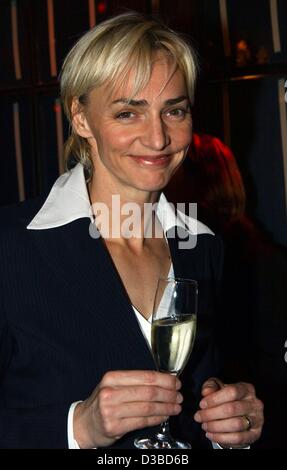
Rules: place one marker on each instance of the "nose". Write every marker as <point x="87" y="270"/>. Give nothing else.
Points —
<point x="156" y="135"/>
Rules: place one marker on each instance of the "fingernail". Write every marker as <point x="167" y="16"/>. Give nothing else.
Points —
<point x="197" y="417"/>
<point x="209" y="436"/>
<point x="177" y="409"/>
<point x="179" y="398"/>
<point x="210" y="384"/>
<point x="204" y="426"/>
<point x="203" y="404"/>
<point x="178" y="384"/>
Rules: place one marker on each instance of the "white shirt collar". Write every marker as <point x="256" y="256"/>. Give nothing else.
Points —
<point x="69" y="200"/>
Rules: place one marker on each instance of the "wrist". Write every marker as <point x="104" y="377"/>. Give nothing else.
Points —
<point x="80" y="427"/>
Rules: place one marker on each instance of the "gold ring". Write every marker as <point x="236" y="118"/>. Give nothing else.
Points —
<point x="248" y="423"/>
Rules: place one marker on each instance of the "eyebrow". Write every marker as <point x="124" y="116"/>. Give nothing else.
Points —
<point x="169" y="102"/>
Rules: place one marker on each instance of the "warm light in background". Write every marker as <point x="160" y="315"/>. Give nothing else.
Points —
<point x="15" y="40"/>
<point x="155" y="4"/>
<point x="102" y="6"/>
<point x="52" y="38"/>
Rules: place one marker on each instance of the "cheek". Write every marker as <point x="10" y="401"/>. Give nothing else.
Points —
<point x="124" y="139"/>
<point x="118" y="137"/>
<point x="181" y="132"/>
<point x="183" y="137"/>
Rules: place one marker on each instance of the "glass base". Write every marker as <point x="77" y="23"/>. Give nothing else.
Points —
<point x="160" y="442"/>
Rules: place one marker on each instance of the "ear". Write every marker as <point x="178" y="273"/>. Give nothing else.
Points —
<point x="79" y="120"/>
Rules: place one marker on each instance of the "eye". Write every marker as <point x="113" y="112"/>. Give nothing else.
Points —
<point x="125" y="115"/>
<point x="177" y="112"/>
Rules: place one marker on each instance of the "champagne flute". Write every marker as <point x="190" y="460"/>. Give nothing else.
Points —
<point x="172" y="339"/>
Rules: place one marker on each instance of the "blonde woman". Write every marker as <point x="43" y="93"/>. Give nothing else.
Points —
<point x="77" y="287"/>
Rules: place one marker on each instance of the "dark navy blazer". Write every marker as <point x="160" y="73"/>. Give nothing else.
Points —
<point x="66" y="319"/>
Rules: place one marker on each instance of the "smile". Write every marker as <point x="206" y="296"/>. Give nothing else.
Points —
<point x="158" y="161"/>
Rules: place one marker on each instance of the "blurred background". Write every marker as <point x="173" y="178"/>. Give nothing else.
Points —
<point x="240" y="97"/>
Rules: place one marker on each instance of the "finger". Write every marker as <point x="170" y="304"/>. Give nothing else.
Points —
<point x="211" y="385"/>
<point x="138" y="393"/>
<point x="227" y="393"/>
<point x="225" y="411"/>
<point x="237" y="424"/>
<point x="140" y="377"/>
<point x="127" y="425"/>
<point x="144" y="409"/>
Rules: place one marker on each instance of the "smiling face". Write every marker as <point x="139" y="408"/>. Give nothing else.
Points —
<point x="137" y="145"/>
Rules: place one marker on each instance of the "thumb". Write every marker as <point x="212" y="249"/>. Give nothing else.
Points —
<point x="210" y="386"/>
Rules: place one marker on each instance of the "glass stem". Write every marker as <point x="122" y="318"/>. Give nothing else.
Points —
<point x="163" y="433"/>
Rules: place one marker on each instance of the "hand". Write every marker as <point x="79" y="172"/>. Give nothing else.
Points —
<point x="124" y="401"/>
<point x="224" y="409"/>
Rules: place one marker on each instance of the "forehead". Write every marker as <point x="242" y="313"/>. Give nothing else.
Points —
<point x="166" y="81"/>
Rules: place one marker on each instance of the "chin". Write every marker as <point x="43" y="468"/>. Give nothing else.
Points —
<point x="153" y="186"/>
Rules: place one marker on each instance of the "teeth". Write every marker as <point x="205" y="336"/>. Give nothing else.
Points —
<point x="153" y="159"/>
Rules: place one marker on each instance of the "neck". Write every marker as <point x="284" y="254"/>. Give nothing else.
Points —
<point x="124" y="216"/>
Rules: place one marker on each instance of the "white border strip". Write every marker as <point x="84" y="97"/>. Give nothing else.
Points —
<point x="283" y="125"/>
<point x="275" y="25"/>
<point x="92" y="13"/>
<point x="52" y="41"/>
<point x="225" y="27"/>
<point x="15" y="40"/>
<point x="18" y="152"/>
<point x="60" y="138"/>
<point x="226" y="113"/>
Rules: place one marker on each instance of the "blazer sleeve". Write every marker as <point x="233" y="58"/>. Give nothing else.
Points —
<point x="38" y="427"/>
<point x="35" y="428"/>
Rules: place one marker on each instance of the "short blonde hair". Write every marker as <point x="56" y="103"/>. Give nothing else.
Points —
<point x="107" y="53"/>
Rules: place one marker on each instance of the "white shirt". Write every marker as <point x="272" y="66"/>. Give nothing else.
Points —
<point x="68" y="201"/>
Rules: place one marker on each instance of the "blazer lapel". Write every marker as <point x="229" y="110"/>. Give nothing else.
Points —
<point x="195" y="263"/>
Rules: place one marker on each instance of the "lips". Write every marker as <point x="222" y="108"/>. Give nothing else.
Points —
<point x="152" y="161"/>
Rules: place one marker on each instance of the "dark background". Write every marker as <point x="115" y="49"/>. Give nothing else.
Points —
<point x="238" y="96"/>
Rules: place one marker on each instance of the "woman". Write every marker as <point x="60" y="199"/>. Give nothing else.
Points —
<point x="74" y="350"/>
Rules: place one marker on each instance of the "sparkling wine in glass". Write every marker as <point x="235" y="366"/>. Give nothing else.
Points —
<point x="172" y="339"/>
